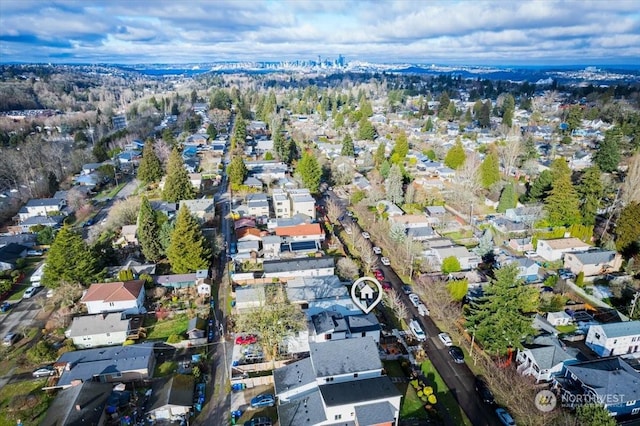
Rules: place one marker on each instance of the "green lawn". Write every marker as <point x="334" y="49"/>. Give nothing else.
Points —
<point x="18" y="291"/>
<point x="566" y="328"/>
<point x="25" y="401"/>
<point x="165" y="369"/>
<point x="445" y="397"/>
<point x="412" y="406"/>
<point x="161" y="329"/>
<point x="110" y="192"/>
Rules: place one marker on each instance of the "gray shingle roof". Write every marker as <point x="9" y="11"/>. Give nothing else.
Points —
<point x="329" y="322"/>
<point x="360" y="323"/>
<point x="174" y="390"/>
<point x="376" y="413"/>
<point x="594" y="257"/>
<point x="90" y="396"/>
<point x="42" y="202"/>
<point x="619" y="329"/>
<point x="98" y="324"/>
<point x="353" y="392"/>
<point x="609" y="377"/>
<point x="344" y="356"/>
<point x="294" y="375"/>
<point x="305" y="411"/>
<point x="301" y="264"/>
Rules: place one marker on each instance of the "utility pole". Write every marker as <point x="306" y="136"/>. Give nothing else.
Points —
<point x="634" y="303"/>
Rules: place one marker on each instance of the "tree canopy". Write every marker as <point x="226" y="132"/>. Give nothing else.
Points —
<point x="591" y="192"/>
<point x="393" y="185"/>
<point x="594" y="415"/>
<point x="150" y="169"/>
<point x="237" y="172"/>
<point x="456" y="156"/>
<point x="309" y="172"/>
<point x="188" y="249"/>
<point x="347" y="146"/>
<point x="489" y="171"/>
<point x="499" y="319"/>
<point x="149" y="232"/>
<point x="607" y="156"/>
<point x="628" y="229"/>
<point x="562" y="203"/>
<point x="508" y="198"/>
<point x="69" y="260"/>
<point x="366" y="131"/>
<point x="400" y="149"/>
<point x="177" y="185"/>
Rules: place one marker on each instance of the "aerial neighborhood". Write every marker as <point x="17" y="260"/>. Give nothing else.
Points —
<point x="200" y="251"/>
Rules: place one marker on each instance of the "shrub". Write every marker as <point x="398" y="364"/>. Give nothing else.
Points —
<point x="580" y="279"/>
<point x="174" y="338"/>
<point x="128" y="342"/>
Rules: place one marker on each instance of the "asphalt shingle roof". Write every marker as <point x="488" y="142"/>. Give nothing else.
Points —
<point x="609" y="377"/>
<point x="619" y="329"/>
<point x="294" y="375"/>
<point x="344" y="356"/>
<point x="355" y="391"/>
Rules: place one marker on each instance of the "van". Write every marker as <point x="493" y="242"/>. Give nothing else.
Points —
<point x="417" y="331"/>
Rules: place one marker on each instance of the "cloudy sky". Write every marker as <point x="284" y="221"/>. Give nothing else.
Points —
<point x="508" y="32"/>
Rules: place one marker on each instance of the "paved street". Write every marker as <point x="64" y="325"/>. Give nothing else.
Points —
<point x="23" y="312"/>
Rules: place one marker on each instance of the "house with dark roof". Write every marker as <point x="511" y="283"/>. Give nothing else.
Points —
<point x="112" y="364"/>
<point x="544" y="358"/>
<point x="10" y="254"/>
<point x="300" y="267"/>
<point x="610" y="382"/>
<point x="50" y="221"/>
<point x="196" y="328"/>
<point x="618" y="338"/>
<point x="527" y="269"/>
<point x="126" y="297"/>
<point x="318" y="294"/>
<point x="340" y="383"/>
<point x="80" y="405"/>
<point x="593" y="262"/>
<point x="171" y="398"/>
<point x="176" y="280"/>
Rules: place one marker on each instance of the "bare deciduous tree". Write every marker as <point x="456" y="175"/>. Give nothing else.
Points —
<point x="124" y="212"/>
<point x="347" y="268"/>
<point x="393" y="301"/>
<point x="630" y="189"/>
<point x="333" y="210"/>
<point x="509" y="151"/>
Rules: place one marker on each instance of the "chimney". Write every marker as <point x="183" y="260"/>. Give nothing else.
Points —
<point x="78" y="407"/>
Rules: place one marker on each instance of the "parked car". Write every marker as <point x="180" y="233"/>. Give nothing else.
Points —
<point x="10" y="338"/>
<point x="379" y="274"/>
<point x="406" y="289"/>
<point x="5" y="306"/>
<point x="415" y="300"/>
<point x="263" y="400"/>
<point x="246" y="340"/>
<point x="28" y="293"/>
<point x="377" y="250"/>
<point x="385" y="261"/>
<point x="259" y="421"/>
<point x="566" y="274"/>
<point x="349" y="213"/>
<point x="457" y="354"/>
<point x="386" y="285"/>
<point x="483" y="390"/>
<point x="35" y="252"/>
<point x="445" y="339"/>
<point x="366" y="235"/>
<point x="530" y="253"/>
<point x="505" y="417"/>
<point x="50" y="292"/>
<point x="423" y="311"/>
<point x="44" y="371"/>
<point x="417" y="331"/>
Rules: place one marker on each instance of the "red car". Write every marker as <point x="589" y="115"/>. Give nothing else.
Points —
<point x="246" y="340"/>
<point x="386" y="286"/>
<point x="379" y="275"/>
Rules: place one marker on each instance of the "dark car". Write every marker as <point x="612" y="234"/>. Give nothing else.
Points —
<point x="505" y="417"/>
<point x="263" y="400"/>
<point x="259" y="421"/>
<point x="10" y="339"/>
<point x="457" y="354"/>
<point x="483" y="390"/>
<point x="5" y="306"/>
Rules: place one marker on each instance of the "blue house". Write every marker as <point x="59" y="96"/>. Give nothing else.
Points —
<point x="527" y="269"/>
<point x="611" y="382"/>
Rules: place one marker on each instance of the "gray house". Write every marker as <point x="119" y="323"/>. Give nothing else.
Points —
<point x="171" y="398"/>
<point x="79" y="405"/>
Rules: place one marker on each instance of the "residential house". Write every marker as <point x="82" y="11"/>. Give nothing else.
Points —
<point x="593" y="262"/>
<point x="271" y="246"/>
<point x="610" y="382"/>
<point x="252" y="182"/>
<point x="169" y="209"/>
<point x="41" y="207"/>
<point x="89" y="168"/>
<point x="421" y="233"/>
<point x="617" y="338"/>
<point x="318" y="294"/>
<point x="128" y="235"/>
<point x="544" y="358"/>
<point x="331" y="325"/>
<point x="527" y="214"/>
<point x="306" y="237"/>
<point x="27" y="240"/>
<point x="80" y="405"/>
<point x="411" y="220"/>
<point x="248" y="234"/>
<point x="361" y="183"/>
<point x="9" y="255"/>
<point x="551" y="250"/>
<point x="50" y="221"/>
<point x="196" y="328"/>
<point x="204" y="209"/>
<point x="176" y="280"/>
<point x="437" y="212"/>
<point x="90" y="331"/>
<point x="171" y="398"/>
<point x="559" y="318"/>
<point x="196" y="181"/>
<point x="302" y="203"/>
<point x="390" y="209"/>
<point x="527" y="269"/>
<point x="521" y="244"/>
<point x="281" y="203"/>
<point x="467" y="259"/>
<point x="506" y="226"/>
<point x="284" y="270"/>
<point x="127" y="297"/>
<point x="249" y="297"/>
<point x="263" y="146"/>
<point x="258" y="205"/>
<point x="320" y="391"/>
<point x="113" y="364"/>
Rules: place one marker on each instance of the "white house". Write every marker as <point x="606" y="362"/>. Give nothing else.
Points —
<point x="554" y="249"/>
<point x="593" y="262"/>
<point x="340" y="383"/>
<point x="302" y="203"/>
<point x="250" y="297"/>
<point x="281" y="203"/>
<point x="126" y="297"/>
<point x="544" y="359"/>
<point x="171" y="398"/>
<point x="204" y="209"/>
<point x="98" y="330"/>
<point x="559" y="318"/>
<point x="467" y="259"/>
<point x="618" y="338"/>
<point x="258" y="205"/>
<point x="41" y="207"/>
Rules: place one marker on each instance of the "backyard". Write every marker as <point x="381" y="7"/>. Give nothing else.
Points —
<point x="412" y="406"/>
<point x="24" y="400"/>
<point x="162" y="329"/>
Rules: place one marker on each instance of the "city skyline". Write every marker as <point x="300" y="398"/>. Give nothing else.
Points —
<point x="452" y="32"/>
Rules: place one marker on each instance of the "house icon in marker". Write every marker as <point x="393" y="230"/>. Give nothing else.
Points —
<point x="366" y="292"/>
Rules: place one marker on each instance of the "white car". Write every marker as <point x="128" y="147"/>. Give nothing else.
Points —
<point x="35" y="252"/>
<point x="366" y="235"/>
<point x="415" y="300"/>
<point x="530" y="253"/>
<point x="28" y="293"/>
<point x="417" y="331"/>
<point x="445" y="339"/>
<point x="377" y="250"/>
<point x="385" y="261"/>
<point x="422" y="310"/>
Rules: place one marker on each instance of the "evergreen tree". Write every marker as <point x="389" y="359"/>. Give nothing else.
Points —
<point x="540" y="187"/>
<point x="443" y="108"/>
<point x="608" y="156"/>
<point x="594" y="415"/>
<point x="530" y="152"/>
<point x="574" y="117"/>
<point x="489" y="171"/>
<point x="484" y="114"/>
<point x="69" y="260"/>
<point x="562" y="203"/>
<point x="400" y="149"/>
<point x="211" y="131"/>
<point x="591" y="192"/>
<point x="380" y="154"/>
<point x="366" y="131"/>
<point x="177" y="186"/>
<point x="628" y="230"/>
<point x="188" y="250"/>
<point x="499" y="319"/>
<point x="309" y="172"/>
<point x="455" y="156"/>
<point x="428" y="125"/>
<point x="393" y="185"/>
<point x="149" y="232"/>
<point x="508" y="198"/>
<point x="239" y="133"/>
<point x="237" y="172"/>
<point x="508" y="108"/>
<point x="150" y="169"/>
<point x="347" y="146"/>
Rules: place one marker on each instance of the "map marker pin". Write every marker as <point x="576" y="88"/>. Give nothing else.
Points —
<point x="366" y="293"/>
